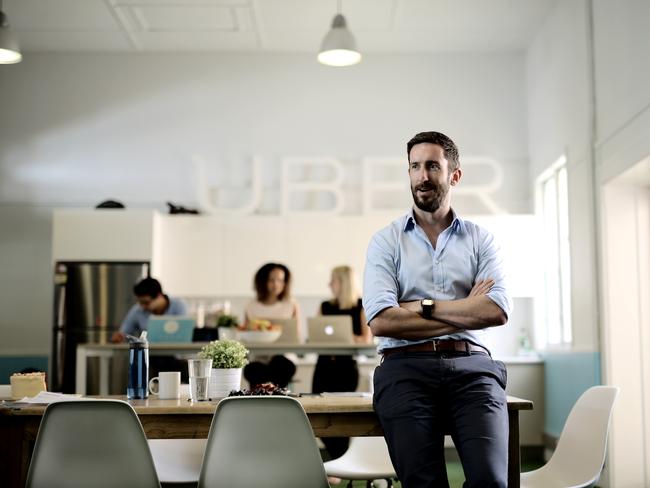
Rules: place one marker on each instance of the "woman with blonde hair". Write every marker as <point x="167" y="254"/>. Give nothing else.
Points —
<point x="340" y="373"/>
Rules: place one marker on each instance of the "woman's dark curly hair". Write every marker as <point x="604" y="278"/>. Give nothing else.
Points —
<point x="262" y="278"/>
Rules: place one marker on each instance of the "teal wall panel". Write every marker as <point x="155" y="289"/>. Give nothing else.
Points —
<point x="567" y="376"/>
<point x="15" y="364"/>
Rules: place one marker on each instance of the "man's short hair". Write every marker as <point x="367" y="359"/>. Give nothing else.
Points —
<point x="148" y="287"/>
<point x="447" y="145"/>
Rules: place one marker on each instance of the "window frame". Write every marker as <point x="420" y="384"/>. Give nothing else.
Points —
<point x="556" y="254"/>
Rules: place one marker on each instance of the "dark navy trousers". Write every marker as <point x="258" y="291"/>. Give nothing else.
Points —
<point x="421" y="396"/>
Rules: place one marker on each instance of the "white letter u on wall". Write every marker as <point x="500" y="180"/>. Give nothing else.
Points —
<point x="204" y="191"/>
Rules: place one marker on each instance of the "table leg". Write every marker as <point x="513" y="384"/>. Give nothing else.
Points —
<point x="104" y="373"/>
<point x="81" y="372"/>
<point x="18" y="436"/>
<point x="514" y="460"/>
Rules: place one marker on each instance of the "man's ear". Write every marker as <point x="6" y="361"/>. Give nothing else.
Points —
<point x="455" y="176"/>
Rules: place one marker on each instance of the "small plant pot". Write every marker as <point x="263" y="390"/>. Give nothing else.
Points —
<point x="223" y="381"/>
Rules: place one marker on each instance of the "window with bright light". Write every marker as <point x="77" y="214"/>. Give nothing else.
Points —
<point x="553" y="208"/>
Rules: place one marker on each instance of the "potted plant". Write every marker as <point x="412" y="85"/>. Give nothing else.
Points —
<point x="228" y="359"/>
<point x="226" y="325"/>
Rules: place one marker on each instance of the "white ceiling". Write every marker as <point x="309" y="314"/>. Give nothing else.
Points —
<point x="274" y="25"/>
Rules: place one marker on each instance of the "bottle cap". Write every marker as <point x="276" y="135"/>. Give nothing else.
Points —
<point x="138" y="342"/>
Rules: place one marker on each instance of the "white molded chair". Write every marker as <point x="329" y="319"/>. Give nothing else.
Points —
<point x="178" y="460"/>
<point x="367" y="458"/>
<point x="98" y="443"/>
<point x="261" y="441"/>
<point x="580" y="453"/>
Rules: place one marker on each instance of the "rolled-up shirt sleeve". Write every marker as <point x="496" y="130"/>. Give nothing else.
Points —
<point x="490" y="265"/>
<point x="380" y="286"/>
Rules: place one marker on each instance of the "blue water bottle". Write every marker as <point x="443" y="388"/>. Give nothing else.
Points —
<point x="138" y="384"/>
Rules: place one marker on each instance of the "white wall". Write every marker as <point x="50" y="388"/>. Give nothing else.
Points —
<point x="622" y="88"/>
<point x="626" y="250"/>
<point x="559" y="122"/>
<point x="26" y="280"/>
<point x="622" y="37"/>
<point x="76" y="129"/>
<point x="602" y="123"/>
<point x="622" y="65"/>
<point x="79" y="128"/>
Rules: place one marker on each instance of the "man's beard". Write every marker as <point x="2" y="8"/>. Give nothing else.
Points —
<point x="439" y="192"/>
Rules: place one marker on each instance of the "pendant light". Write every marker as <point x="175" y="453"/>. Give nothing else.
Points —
<point x="9" y="52"/>
<point x="339" y="47"/>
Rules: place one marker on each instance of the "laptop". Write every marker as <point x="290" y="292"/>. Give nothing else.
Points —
<point x="330" y="329"/>
<point x="170" y="328"/>
<point x="289" y="330"/>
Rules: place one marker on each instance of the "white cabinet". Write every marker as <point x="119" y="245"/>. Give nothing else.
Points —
<point x="189" y="260"/>
<point x="526" y="380"/>
<point x="103" y="235"/>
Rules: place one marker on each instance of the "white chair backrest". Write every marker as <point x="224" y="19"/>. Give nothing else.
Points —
<point x="368" y="450"/>
<point x="367" y="458"/>
<point x="261" y="441"/>
<point x="91" y="443"/>
<point x="580" y="451"/>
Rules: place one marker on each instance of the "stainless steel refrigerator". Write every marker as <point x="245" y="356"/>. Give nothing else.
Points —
<point x="90" y="302"/>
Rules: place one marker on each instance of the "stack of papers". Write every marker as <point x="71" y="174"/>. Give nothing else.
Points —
<point x="348" y="393"/>
<point x="46" y="397"/>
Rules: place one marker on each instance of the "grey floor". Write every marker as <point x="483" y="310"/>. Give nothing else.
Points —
<point x="454" y="473"/>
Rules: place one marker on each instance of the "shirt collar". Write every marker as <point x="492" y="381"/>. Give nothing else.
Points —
<point x="457" y="224"/>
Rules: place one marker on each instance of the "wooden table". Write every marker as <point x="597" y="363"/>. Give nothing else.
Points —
<point x="330" y="416"/>
<point x="106" y="352"/>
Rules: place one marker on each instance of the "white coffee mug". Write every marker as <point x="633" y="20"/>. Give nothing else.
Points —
<point x="167" y="385"/>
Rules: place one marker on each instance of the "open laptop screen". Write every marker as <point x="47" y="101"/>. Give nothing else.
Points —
<point x="170" y="328"/>
<point x="330" y="329"/>
<point x="289" y="330"/>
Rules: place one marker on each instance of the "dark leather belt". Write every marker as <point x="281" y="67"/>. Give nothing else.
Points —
<point x="438" y="346"/>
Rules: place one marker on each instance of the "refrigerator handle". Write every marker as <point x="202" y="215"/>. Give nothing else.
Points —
<point x="60" y="306"/>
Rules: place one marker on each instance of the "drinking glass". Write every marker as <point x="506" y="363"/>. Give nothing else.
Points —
<point x="199" y="370"/>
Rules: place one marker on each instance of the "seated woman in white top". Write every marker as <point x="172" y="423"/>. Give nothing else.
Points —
<point x="273" y="289"/>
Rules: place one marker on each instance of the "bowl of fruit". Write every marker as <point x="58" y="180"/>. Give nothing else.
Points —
<point x="259" y="330"/>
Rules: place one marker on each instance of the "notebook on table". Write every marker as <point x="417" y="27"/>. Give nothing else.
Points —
<point x="330" y="329"/>
<point x="170" y="328"/>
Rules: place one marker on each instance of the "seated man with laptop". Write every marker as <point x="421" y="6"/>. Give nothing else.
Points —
<point x="151" y="302"/>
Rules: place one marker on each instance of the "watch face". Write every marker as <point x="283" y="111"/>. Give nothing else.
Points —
<point x="427" y="302"/>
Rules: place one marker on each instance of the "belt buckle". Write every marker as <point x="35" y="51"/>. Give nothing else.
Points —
<point x="434" y="343"/>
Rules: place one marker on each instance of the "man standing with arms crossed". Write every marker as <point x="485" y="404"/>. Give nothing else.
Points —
<point x="433" y="282"/>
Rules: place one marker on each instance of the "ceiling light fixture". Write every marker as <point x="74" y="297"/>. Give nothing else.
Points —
<point x="9" y="51"/>
<point x="339" y="47"/>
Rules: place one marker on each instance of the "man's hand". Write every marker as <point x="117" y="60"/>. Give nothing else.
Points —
<point x="481" y="288"/>
<point x="118" y="337"/>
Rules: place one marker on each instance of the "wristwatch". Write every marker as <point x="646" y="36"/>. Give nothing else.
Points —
<point x="427" y="307"/>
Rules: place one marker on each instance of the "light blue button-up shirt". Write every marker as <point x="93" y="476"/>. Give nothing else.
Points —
<point x="137" y="319"/>
<point x="402" y="266"/>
